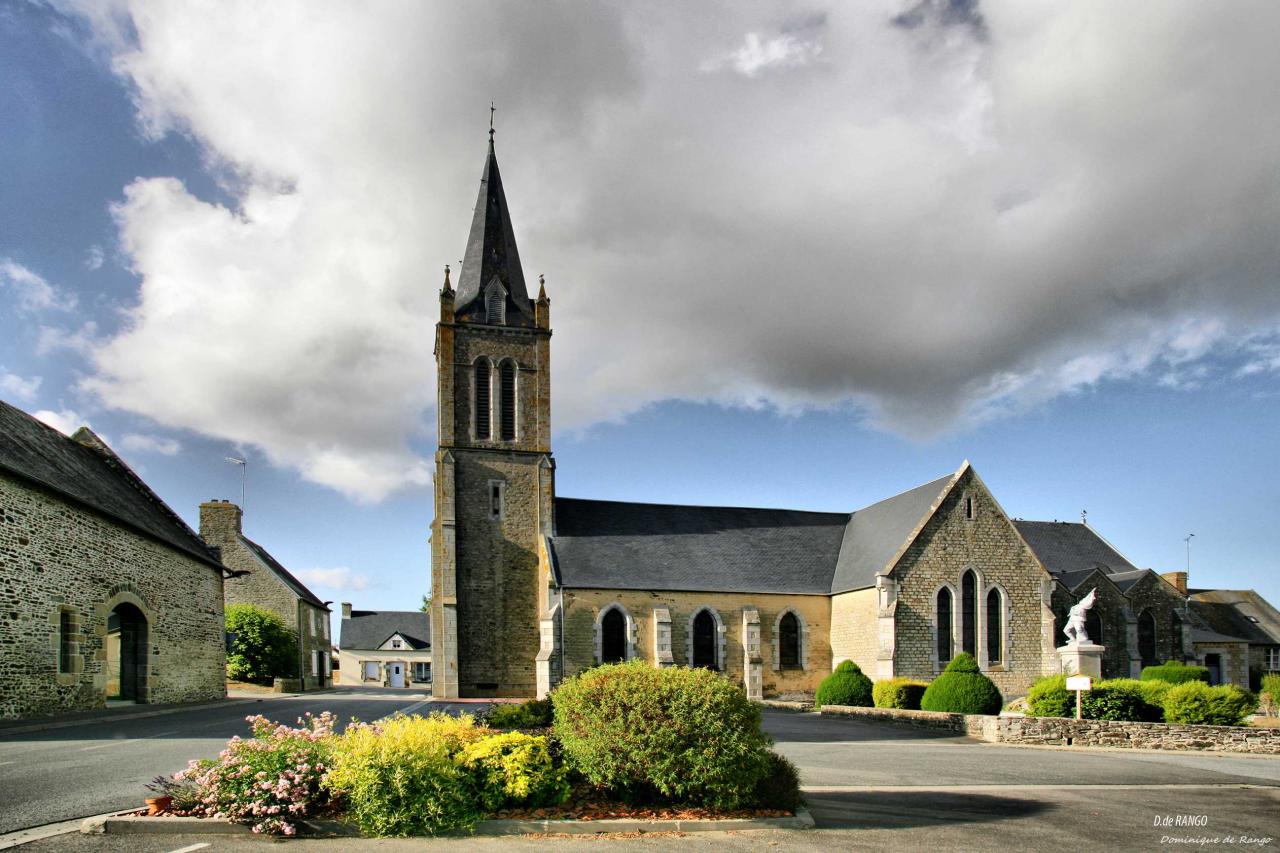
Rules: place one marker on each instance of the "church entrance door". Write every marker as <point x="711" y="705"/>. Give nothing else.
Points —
<point x="1213" y="663"/>
<point x="126" y="654"/>
<point x="704" y="641"/>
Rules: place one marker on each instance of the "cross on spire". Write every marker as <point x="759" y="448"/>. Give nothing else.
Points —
<point x="492" y="110"/>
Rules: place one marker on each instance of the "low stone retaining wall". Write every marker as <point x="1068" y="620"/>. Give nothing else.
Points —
<point x="1059" y="731"/>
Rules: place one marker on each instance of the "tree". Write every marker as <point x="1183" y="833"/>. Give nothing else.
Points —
<point x="426" y="604"/>
<point x="262" y="646"/>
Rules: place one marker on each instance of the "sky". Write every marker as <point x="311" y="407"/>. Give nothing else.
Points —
<point x="803" y="255"/>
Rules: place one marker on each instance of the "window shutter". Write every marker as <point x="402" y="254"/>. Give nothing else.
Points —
<point x="482" y="399"/>
<point x="507" y="379"/>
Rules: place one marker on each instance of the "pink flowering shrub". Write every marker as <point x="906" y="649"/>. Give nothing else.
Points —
<point x="268" y="781"/>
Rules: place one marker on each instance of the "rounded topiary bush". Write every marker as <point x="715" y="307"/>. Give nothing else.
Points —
<point x="845" y="686"/>
<point x="1197" y="703"/>
<point x="962" y="689"/>
<point x="904" y="693"/>
<point x="1049" y="697"/>
<point x="654" y="735"/>
<point x="1175" y="672"/>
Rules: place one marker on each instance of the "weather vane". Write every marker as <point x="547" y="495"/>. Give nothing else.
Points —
<point x="492" y="110"/>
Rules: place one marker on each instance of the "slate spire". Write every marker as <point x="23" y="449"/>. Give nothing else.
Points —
<point x="491" y="249"/>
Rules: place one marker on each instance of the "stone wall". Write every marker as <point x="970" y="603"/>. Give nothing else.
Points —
<point x="54" y="556"/>
<point x="1059" y="731"/>
<point x="220" y="526"/>
<point x="582" y="609"/>
<point x="988" y="543"/>
<point x="853" y="629"/>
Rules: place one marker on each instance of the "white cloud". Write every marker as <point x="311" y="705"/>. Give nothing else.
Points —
<point x="15" y="387"/>
<point x="93" y="260"/>
<point x="337" y="578"/>
<point x="81" y="341"/>
<point x="758" y="55"/>
<point x="33" y="292"/>
<point x="949" y="218"/>
<point x="64" y="421"/>
<point x="141" y="443"/>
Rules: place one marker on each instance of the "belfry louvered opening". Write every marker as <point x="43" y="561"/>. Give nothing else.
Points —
<point x="495" y="307"/>
<point x="482" y="399"/>
<point x="507" y="400"/>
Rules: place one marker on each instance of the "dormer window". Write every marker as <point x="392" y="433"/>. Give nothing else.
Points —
<point x="495" y="305"/>
<point x="396" y="643"/>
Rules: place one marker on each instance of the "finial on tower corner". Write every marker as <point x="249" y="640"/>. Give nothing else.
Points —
<point x="448" y="287"/>
<point x="542" y="286"/>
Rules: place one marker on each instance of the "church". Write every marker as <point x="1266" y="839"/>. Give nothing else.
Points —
<point x="529" y="588"/>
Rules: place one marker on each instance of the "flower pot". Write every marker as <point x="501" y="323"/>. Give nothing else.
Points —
<point x="158" y="805"/>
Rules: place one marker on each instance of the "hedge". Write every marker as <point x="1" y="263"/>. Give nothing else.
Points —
<point x="962" y="689"/>
<point x="904" y="693"/>
<point x="1197" y="703"/>
<point x="845" y="686"/>
<point x="1175" y="672"/>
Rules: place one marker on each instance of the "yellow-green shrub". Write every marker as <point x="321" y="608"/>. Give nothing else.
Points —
<point x="899" y="693"/>
<point x="1195" y="702"/>
<point x="514" y="769"/>
<point x="402" y="777"/>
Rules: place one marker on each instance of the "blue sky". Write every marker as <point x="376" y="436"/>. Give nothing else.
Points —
<point x="797" y="258"/>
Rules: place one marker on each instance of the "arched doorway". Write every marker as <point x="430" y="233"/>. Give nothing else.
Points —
<point x="1147" y="638"/>
<point x="127" y="653"/>
<point x="704" y="640"/>
<point x="613" y="637"/>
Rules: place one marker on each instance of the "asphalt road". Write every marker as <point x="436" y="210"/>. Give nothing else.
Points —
<point x="101" y="766"/>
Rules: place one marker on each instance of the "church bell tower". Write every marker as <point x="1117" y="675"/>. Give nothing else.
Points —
<point x="494" y="476"/>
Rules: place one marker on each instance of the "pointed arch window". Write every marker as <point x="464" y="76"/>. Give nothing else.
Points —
<point x="507" y="400"/>
<point x="789" y="641"/>
<point x="613" y="637"/>
<point x="945" y="622"/>
<point x="1147" y="638"/>
<point x="995" y="627"/>
<point x="704" y="641"/>
<point x="1093" y="626"/>
<point x="482" y="399"/>
<point x="969" y="613"/>
<point x="495" y="307"/>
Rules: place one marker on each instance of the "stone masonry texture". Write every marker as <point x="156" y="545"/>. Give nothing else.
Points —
<point x="55" y="555"/>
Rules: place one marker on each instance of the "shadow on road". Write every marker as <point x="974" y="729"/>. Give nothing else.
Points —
<point x="900" y="810"/>
<point x="812" y="728"/>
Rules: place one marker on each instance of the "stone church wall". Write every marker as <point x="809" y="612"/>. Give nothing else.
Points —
<point x="950" y="543"/>
<point x="55" y="555"/>
<point x="853" y="629"/>
<point x="583" y="608"/>
<point x="1112" y="608"/>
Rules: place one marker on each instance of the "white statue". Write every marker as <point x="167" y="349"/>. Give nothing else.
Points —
<point x="1075" y="630"/>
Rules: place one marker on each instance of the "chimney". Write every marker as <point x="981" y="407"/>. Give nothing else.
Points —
<point x="219" y="522"/>
<point x="346" y="610"/>
<point x="1178" y="579"/>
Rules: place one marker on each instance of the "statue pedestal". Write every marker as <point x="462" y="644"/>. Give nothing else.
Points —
<point x="1081" y="659"/>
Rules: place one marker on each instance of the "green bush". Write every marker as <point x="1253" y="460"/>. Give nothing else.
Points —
<point x="1120" y="699"/>
<point x="898" y="693"/>
<point x="534" y="714"/>
<point x="1049" y="697"/>
<point x="403" y="777"/>
<point x="1197" y="703"/>
<point x="262" y="648"/>
<point x="1175" y="672"/>
<point x="962" y="689"/>
<point x="1149" y="696"/>
<point x="846" y="686"/>
<point x="779" y="787"/>
<point x="514" y="769"/>
<point x="1153" y="693"/>
<point x="1271" y="684"/>
<point x="675" y="735"/>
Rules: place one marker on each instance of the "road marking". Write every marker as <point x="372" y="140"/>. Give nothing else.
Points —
<point x="1102" y="786"/>
<point x="127" y="740"/>
<point x="188" y="849"/>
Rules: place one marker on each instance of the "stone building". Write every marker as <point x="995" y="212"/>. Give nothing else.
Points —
<point x="1235" y="633"/>
<point x="386" y="648"/>
<point x="529" y="587"/>
<point x="258" y="578"/>
<point x="105" y="592"/>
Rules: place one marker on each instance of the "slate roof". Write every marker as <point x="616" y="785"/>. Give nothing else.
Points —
<point x="85" y="471"/>
<point x="299" y="589"/>
<point x="1066" y="547"/>
<point x="369" y="629"/>
<point x="1237" y="613"/>
<point x="491" y="249"/>
<point x="619" y="545"/>
<point x="875" y="534"/>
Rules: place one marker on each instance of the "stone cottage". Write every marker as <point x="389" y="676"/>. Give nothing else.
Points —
<point x="104" y="592"/>
<point x="1235" y="633"/>
<point x="258" y="578"/>
<point x="385" y="648"/>
<point x="529" y="587"/>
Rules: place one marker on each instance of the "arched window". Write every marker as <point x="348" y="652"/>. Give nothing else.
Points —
<point x="704" y="641"/>
<point x="969" y="612"/>
<point x="1147" y="638"/>
<point x="1093" y="626"/>
<point x="995" y="627"/>
<point x="482" y="399"/>
<point x="789" y="641"/>
<point x="1175" y="637"/>
<point x="946" y="622"/>
<point x="507" y="400"/>
<point x="613" y="637"/>
<point x="495" y="307"/>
